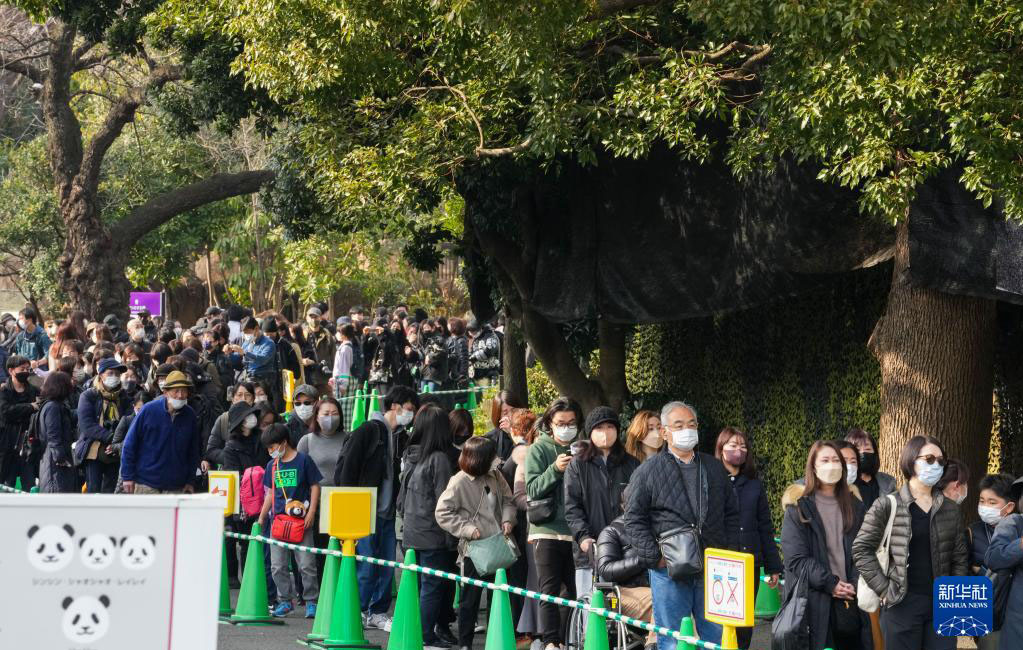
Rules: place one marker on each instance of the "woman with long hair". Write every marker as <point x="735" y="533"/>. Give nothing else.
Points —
<point x="756" y="530"/>
<point x="821" y="521"/>
<point x="643" y="438"/>
<point x="928" y="540"/>
<point x="56" y="469"/>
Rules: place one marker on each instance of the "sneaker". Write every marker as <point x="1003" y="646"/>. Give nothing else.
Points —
<point x="310" y="610"/>
<point x="283" y="609"/>
<point x="443" y="633"/>
<point x="537" y="644"/>
<point x="435" y="644"/>
<point x="479" y="628"/>
<point x="379" y="621"/>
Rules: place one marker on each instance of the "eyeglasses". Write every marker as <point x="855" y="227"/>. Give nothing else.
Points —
<point x="930" y="459"/>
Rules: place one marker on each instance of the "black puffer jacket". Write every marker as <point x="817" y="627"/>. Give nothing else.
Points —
<point x="417" y="501"/>
<point x="805" y="549"/>
<point x="949" y="555"/>
<point x="617" y="561"/>
<point x="656" y="505"/>
<point x="593" y="495"/>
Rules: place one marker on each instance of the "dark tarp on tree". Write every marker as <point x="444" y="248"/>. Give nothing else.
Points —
<point x="662" y="239"/>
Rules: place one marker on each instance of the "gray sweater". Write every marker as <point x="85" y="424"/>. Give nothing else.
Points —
<point x="324" y="451"/>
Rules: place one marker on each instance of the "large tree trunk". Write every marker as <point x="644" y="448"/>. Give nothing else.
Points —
<point x="92" y="267"/>
<point x="936" y="352"/>
<point x="514" y="357"/>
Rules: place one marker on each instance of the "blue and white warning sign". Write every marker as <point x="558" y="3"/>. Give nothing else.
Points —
<point x="963" y="606"/>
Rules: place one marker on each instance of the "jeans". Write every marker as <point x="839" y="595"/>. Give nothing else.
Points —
<point x="100" y="477"/>
<point x="676" y="599"/>
<point x="434" y="596"/>
<point x="374" y="580"/>
<point x="555" y="569"/>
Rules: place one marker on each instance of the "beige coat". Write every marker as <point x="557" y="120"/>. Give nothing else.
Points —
<point x="456" y="509"/>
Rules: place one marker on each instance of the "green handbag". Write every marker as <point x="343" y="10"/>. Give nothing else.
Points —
<point x="491" y="553"/>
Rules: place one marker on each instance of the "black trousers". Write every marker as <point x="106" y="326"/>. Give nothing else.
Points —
<point x="555" y="569"/>
<point x="100" y="477"/>
<point x="907" y="626"/>
<point x="469" y="604"/>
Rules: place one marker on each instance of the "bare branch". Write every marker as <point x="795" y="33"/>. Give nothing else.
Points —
<point x="505" y="151"/>
<point x="82" y="50"/>
<point x="122" y="112"/>
<point x="22" y="66"/>
<point x="162" y="208"/>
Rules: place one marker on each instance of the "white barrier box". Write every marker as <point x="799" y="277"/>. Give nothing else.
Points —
<point x="110" y="572"/>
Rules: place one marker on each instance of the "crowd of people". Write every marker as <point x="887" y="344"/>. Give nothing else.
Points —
<point x="561" y="499"/>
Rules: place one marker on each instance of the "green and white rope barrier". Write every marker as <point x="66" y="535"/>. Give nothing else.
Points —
<point x="518" y="591"/>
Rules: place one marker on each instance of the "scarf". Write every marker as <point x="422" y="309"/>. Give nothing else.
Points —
<point x="110" y="413"/>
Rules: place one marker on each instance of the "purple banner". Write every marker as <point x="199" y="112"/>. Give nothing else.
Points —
<point x="150" y="300"/>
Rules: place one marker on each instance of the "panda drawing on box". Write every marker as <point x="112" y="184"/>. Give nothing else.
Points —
<point x="86" y="618"/>
<point x="97" y="551"/>
<point x="50" y="547"/>
<point x="138" y="551"/>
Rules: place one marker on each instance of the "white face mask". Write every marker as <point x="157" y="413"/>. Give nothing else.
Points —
<point x="829" y="473"/>
<point x="277" y="453"/>
<point x="685" y="439"/>
<point x="851" y="473"/>
<point x="112" y="382"/>
<point x="176" y="404"/>
<point x="990" y="515"/>
<point x="962" y="496"/>
<point x="565" y="434"/>
<point x="250" y="421"/>
<point x="304" y="411"/>
<point x="160" y="384"/>
<point x="403" y="418"/>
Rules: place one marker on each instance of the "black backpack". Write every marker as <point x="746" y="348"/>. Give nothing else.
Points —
<point x="30" y="441"/>
<point x="346" y="449"/>
<point x="358" y="370"/>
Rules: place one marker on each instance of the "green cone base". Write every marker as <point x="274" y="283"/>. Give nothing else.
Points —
<point x="341" y="644"/>
<point x="242" y="622"/>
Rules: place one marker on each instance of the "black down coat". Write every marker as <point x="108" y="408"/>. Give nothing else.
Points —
<point x="805" y="549"/>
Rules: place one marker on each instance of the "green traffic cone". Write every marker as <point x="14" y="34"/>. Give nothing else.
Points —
<point x="687" y="629"/>
<point x="768" y="602"/>
<point x="426" y="389"/>
<point x="328" y="585"/>
<point x="458" y="595"/>
<point x="470" y="402"/>
<point x="34" y="490"/>
<point x="252" y="607"/>
<point x="225" y="590"/>
<point x="365" y="387"/>
<point x="406" y="624"/>
<point x="596" y="625"/>
<point x="346" y="615"/>
<point x="374" y="403"/>
<point x="500" y="628"/>
<point x="359" y="413"/>
<point x="17" y="484"/>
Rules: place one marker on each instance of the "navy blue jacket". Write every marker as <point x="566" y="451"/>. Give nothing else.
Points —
<point x="161" y="452"/>
<point x="756" y="530"/>
<point x="90" y="405"/>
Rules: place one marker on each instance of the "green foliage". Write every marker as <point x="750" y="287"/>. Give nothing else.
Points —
<point x="540" y="388"/>
<point x="787" y="373"/>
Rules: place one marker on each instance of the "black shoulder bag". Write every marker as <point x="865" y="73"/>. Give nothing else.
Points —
<point x="681" y="547"/>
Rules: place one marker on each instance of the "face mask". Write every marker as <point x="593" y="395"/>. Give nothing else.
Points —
<point x="565" y="434"/>
<point x="869" y="463"/>
<point x="129" y="384"/>
<point x="118" y="358"/>
<point x="176" y="404"/>
<point x="250" y="421"/>
<point x="928" y="474"/>
<point x="685" y="439"/>
<point x="22" y="377"/>
<point x="829" y="473"/>
<point x="159" y="385"/>
<point x="304" y="411"/>
<point x="653" y="439"/>
<point x="137" y="335"/>
<point x="276" y="453"/>
<point x="990" y="515"/>
<point x="851" y="473"/>
<point x="603" y="439"/>
<point x="735" y="457"/>
<point x="404" y="418"/>
<point x="962" y="496"/>
<point x="260" y="397"/>
<point x="327" y="423"/>
<point x="112" y="382"/>
<point x="21" y="323"/>
<point x="248" y="338"/>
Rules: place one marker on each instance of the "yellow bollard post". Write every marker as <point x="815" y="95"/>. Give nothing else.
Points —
<point x="729" y="640"/>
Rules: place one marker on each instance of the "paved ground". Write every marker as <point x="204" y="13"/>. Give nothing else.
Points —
<point x="279" y="637"/>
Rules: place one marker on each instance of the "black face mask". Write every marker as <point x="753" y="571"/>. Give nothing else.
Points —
<point x="22" y="377"/>
<point x="869" y="464"/>
<point x="460" y="440"/>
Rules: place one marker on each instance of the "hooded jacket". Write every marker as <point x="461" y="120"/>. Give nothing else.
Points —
<point x="949" y="555"/>
<point x="805" y="549"/>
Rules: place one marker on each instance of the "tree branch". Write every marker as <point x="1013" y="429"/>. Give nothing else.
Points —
<point x="22" y="66"/>
<point x="122" y="112"/>
<point x="162" y="208"/>
<point x="504" y="151"/>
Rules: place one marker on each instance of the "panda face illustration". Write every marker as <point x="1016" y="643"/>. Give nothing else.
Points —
<point x="97" y="551"/>
<point x="50" y="548"/>
<point x="86" y="619"/>
<point x="138" y="551"/>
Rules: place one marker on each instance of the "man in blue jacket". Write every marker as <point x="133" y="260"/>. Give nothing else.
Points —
<point x="161" y="450"/>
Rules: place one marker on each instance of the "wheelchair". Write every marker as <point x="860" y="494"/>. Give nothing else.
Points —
<point x="620" y="635"/>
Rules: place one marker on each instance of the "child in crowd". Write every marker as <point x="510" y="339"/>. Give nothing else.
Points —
<point x="995" y="504"/>
<point x="292" y="486"/>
